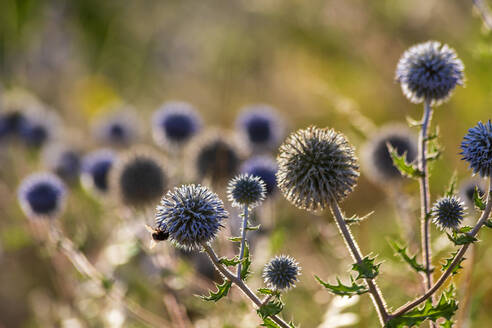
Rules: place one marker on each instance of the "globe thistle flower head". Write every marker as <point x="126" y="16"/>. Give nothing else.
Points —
<point x="174" y="124"/>
<point x="10" y="122"/>
<point x="139" y="178"/>
<point x="261" y="126"/>
<point x="316" y="167"/>
<point x="376" y="157"/>
<point x="246" y="190"/>
<point x="119" y="128"/>
<point x="39" y="127"/>
<point x="213" y="157"/>
<point x="448" y="212"/>
<point x="429" y="71"/>
<point x="64" y="160"/>
<point x="281" y="272"/>
<point x="192" y="215"/>
<point x="476" y="149"/>
<point x="264" y="167"/>
<point x="95" y="170"/>
<point x="42" y="196"/>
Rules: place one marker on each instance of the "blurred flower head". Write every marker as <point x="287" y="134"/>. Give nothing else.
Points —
<point x="42" y="195"/>
<point x="174" y="124"/>
<point x="10" y="122"/>
<point x="315" y="167"/>
<point x="477" y="149"/>
<point x="264" y="167"/>
<point x="139" y="178"/>
<point x="64" y="160"/>
<point x="246" y="190"/>
<point x="281" y="272"/>
<point x="448" y="212"/>
<point x="261" y="126"/>
<point x="95" y="170"/>
<point x="376" y="157"/>
<point x="119" y="128"/>
<point x="39" y="126"/>
<point x="429" y="71"/>
<point x="191" y="214"/>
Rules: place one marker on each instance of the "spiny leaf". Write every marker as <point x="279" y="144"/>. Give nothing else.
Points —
<point x="477" y="200"/>
<point x="401" y="164"/>
<point x="229" y="262"/>
<point x="344" y="290"/>
<point x="445" y="308"/>
<point x="355" y="219"/>
<point x="246" y="263"/>
<point x="270" y="309"/>
<point x="366" y="268"/>
<point x="268" y="291"/>
<point x="488" y="223"/>
<point x="402" y="252"/>
<point x="253" y="228"/>
<point x="461" y="238"/>
<point x="446" y="265"/>
<point x="452" y="185"/>
<point x="269" y="323"/>
<point x="465" y="229"/>
<point x="222" y="290"/>
<point x="235" y="239"/>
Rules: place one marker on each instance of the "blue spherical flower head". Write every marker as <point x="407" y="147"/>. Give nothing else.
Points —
<point x="448" y="212"/>
<point x="429" y="71"/>
<point x="63" y="160"/>
<point x="281" y="272"/>
<point x="477" y="149"/>
<point x="246" y="190"/>
<point x="264" y="167"/>
<point x="10" y="122"/>
<point x="95" y="170"/>
<point x="119" y="128"/>
<point x="261" y="126"/>
<point x="38" y="127"/>
<point x="174" y="124"/>
<point x="192" y="215"/>
<point x="42" y="195"/>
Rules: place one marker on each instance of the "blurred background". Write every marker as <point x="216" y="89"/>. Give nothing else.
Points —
<point x="323" y="62"/>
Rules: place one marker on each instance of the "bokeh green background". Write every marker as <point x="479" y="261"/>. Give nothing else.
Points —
<point x="328" y="63"/>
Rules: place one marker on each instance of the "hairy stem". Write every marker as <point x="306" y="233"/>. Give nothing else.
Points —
<point x="456" y="261"/>
<point x="243" y="240"/>
<point x="356" y="254"/>
<point x="239" y="283"/>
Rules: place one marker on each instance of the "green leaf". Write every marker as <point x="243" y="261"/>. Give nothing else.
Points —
<point x="222" y="290"/>
<point x="465" y="229"/>
<point x="488" y="223"/>
<point x="235" y="239"/>
<point x="253" y="228"/>
<point x="461" y="238"/>
<point x="229" y="262"/>
<point x="452" y="185"/>
<point x="270" y="309"/>
<point x="366" y="268"/>
<point x="448" y="262"/>
<point x="269" y="323"/>
<point x="344" y="290"/>
<point x="445" y="308"/>
<point x="355" y="219"/>
<point x="477" y="200"/>
<point x="268" y="291"/>
<point x="401" y="164"/>
<point x="402" y="252"/>
<point x="246" y="263"/>
<point x="107" y="283"/>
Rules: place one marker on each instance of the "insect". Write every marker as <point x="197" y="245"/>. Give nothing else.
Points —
<point x="157" y="235"/>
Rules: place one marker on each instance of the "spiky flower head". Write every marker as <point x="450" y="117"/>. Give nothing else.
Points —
<point x="281" y="272"/>
<point x="448" y="212"/>
<point x="264" y="167"/>
<point x="192" y="215"/>
<point x="429" y="71"/>
<point x="64" y="160"/>
<point x="42" y="195"/>
<point x="95" y="170"/>
<point x="118" y="128"/>
<point x="246" y="190"/>
<point x="315" y="167"/>
<point x="214" y="157"/>
<point x="477" y="149"/>
<point x="139" y="178"/>
<point x="174" y="124"/>
<point x="261" y="126"/>
<point x="376" y="157"/>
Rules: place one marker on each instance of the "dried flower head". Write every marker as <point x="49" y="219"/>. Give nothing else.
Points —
<point x="95" y="170"/>
<point x="315" y="167"/>
<point x="448" y="212"/>
<point x="376" y="157"/>
<point x="191" y="214"/>
<point x="119" y="128"/>
<point x="42" y="195"/>
<point x="139" y="178"/>
<point x="477" y="149"/>
<point x="174" y="124"/>
<point x="261" y="126"/>
<point x="429" y="71"/>
<point x="264" y="167"/>
<point x="246" y="190"/>
<point x="281" y="272"/>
